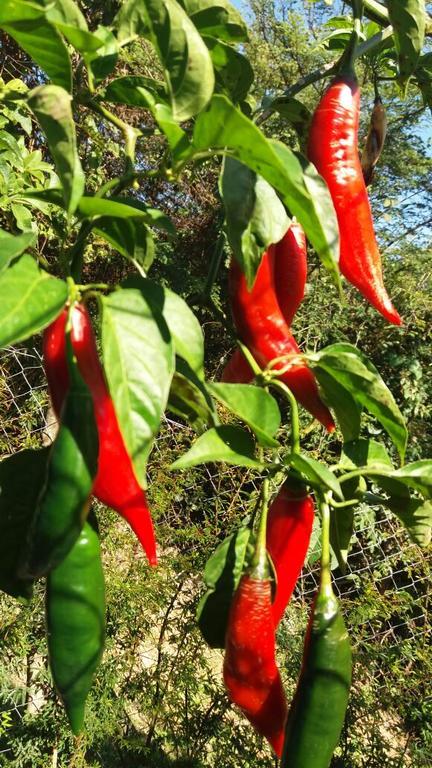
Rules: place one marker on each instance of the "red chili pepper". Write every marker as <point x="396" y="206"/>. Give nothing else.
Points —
<point x="289" y="528"/>
<point x="116" y="484"/>
<point x="333" y="150"/>
<point x="290" y="270"/>
<point x="262" y="327"/>
<point x="250" y="672"/>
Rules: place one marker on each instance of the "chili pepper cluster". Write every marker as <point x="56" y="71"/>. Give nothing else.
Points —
<point x="306" y="734"/>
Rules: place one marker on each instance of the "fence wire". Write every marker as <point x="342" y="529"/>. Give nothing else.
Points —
<point x="385" y="590"/>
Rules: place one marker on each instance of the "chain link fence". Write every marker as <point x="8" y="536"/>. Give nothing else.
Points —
<point x="385" y="590"/>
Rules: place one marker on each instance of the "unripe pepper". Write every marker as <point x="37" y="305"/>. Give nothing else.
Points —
<point x="262" y="327"/>
<point x="75" y="615"/>
<point x="251" y="675"/>
<point x="333" y="150"/>
<point x="116" y="484"/>
<point x="317" y="712"/>
<point x="64" y="501"/>
<point x="289" y="528"/>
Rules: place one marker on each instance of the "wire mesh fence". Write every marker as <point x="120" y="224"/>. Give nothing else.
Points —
<point x="386" y="588"/>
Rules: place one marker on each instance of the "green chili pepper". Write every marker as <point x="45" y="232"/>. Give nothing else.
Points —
<point x="318" y="709"/>
<point x="75" y="614"/>
<point x="64" y="501"/>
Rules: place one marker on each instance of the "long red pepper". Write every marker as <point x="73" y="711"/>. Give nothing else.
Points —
<point x="250" y="671"/>
<point x="290" y="272"/>
<point x="262" y="327"/>
<point x="289" y="528"/>
<point x="116" y="484"/>
<point x="333" y="150"/>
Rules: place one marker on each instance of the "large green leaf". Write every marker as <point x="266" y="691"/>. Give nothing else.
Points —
<point x="12" y="246"/>
<point x="185" y="331"/>
<point x="101" y="62"/>
<point x="416" y="516"/>
<point x="292" y="110"/>
<point x="135" y="91"/>
<point x="65" y="12"/>
<point x="255" y="217"/>
<point x="21" y="479"/>
<point x="218" y="18"/>
<point x="353" y="371"/>
<point x="365" y="453"/>
<point x="182" y="52"/>
<point x="315" y="472"/>
<point x="407" y="18"/>
<point x="252" y="405"/>
<point x="30" y="299"/>
<point x="234" y="73"/>
<point x="188" y="400"/>
<point x="139" y="364"/>
<point x="346" y="409"/>
<point x="232" y="445"/>
<point x="222" y="574"/>
<point x="33" y="32"/>
<point x="52" y="107"/>
<point x="341" y="531"/>
<point x="124" y="208"/>
<point x="417" y="475"/>
<point x="223" y="127"/>
<point x="129" y="237"/>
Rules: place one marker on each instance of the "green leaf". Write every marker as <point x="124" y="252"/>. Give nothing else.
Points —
<point x="408" y="19"/>
<point x="139" y="364"/>
<point x="365" y="453"/>
<point x="417" y="475"/>
<point x="353" y="371"/>
<point x="416" y="516"/>
<point x="252" y="405"/>
<point x="185" y="331"/>
<point x="315" y="472"/>
<point x="82" y="40"/>
<point x="232" y="445"/>
<point x="101" y="62"/>
<point x="30" y="299"/>
<point x="222" y="126"/>
<point x="187" y="400"/>
<point x="178" y="140"/>
<point x="89" y="207"/>
<point x="22" y="217"/>
<point x="341" y="530"/>
<point x="234" y="73"/>
<point x="135" y="91"/>
<point x="218" y="18"/>
<point x="292" y="110"/>
<point x="255" y="217"/>
<point x="27" y="25"/>
<point x="183" y="54"/>
<point x="153" y="216"/>
<point x="12" y="246"/>
<point x="51" y="106"/>
<point x="129" y="237"/>
<point x="346" y="409"/>
<point x="21" y="479"/>
<point x="65" y="12"/>
<point x="222" y="574"/>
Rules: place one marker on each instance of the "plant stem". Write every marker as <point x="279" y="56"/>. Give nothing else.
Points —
<point x="325" y="585"/>
<point x="251" y="360"/>
<point x="259" y="559"/>
<point x="295" y="425"/>
<point x="214" y="264"/>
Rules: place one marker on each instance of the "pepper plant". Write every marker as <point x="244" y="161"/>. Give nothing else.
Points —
<point x="110" y="408"/>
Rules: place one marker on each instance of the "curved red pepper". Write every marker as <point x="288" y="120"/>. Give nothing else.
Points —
<point x="250" y="672"/>
<point x="289" y="528"/>
<point x="333" y="150"/>
<point x="290" y="270"/>
<point x="116" y="484"/>
<point x="262" y="327"/>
